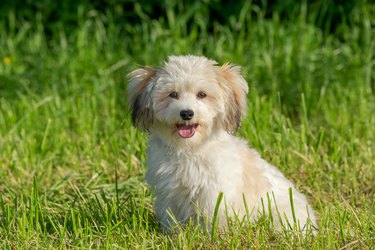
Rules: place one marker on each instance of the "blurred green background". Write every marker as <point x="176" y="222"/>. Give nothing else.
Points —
<point x="327" y="15"/>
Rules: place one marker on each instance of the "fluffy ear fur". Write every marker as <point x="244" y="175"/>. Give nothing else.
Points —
<point x="139" y="97"/>
<point x="236" y="89"/>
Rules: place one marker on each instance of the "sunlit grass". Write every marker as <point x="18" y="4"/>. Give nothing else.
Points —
<point x="72" y="166"/>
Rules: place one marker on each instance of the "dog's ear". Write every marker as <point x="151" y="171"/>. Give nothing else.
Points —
<point x="139" y="97"/>
<point x="236" y="89"/>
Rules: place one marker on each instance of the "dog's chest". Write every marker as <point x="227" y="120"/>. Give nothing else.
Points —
<point x="193" y="173"/>
<point x="198" y="177"/>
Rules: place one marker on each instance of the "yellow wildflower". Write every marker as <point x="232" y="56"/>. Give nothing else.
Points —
<point x="7" y="60"/>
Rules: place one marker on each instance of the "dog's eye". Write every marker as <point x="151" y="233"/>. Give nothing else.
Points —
<point x="201" y="95"/>
<point x="174" y="95"/>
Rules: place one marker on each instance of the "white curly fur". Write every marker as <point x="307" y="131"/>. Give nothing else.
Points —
<point x="191" y="160"/>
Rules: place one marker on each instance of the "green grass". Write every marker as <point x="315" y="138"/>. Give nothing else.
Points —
<point x="72" y="166"/>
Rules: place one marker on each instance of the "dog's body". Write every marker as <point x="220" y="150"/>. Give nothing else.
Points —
<point x="191" y="107"/>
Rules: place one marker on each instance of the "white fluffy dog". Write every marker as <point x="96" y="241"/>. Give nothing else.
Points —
<point x="191" y="108"/>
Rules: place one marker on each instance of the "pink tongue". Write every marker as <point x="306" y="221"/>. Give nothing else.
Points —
<point x="186" y="131"/>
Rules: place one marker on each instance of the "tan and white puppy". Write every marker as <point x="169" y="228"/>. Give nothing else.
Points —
<point x="191" y="108"/>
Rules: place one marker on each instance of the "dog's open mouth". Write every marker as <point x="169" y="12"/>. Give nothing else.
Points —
<point x="186" y="130"/>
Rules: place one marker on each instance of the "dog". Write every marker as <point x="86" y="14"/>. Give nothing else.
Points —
<point x="191" y="108"/>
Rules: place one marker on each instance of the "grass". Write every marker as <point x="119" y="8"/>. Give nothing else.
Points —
<point x="72" y="166"/>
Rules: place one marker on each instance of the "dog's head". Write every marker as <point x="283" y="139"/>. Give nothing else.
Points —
<point x="188" y="99"/>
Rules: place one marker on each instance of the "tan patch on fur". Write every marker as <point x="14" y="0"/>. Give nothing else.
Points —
<point x="255" y="184"/>
<point x="211" y="98"/>
<point x="235" y="88"/>
<point x="238" y="85"/>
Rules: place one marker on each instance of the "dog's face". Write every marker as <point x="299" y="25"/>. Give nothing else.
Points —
<point x="188" y="99"/>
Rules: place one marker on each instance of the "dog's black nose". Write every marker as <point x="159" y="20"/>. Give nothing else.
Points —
<point x="187" y="114"/>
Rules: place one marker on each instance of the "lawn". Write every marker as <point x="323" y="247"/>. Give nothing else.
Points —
<point x="72" y="166"/>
